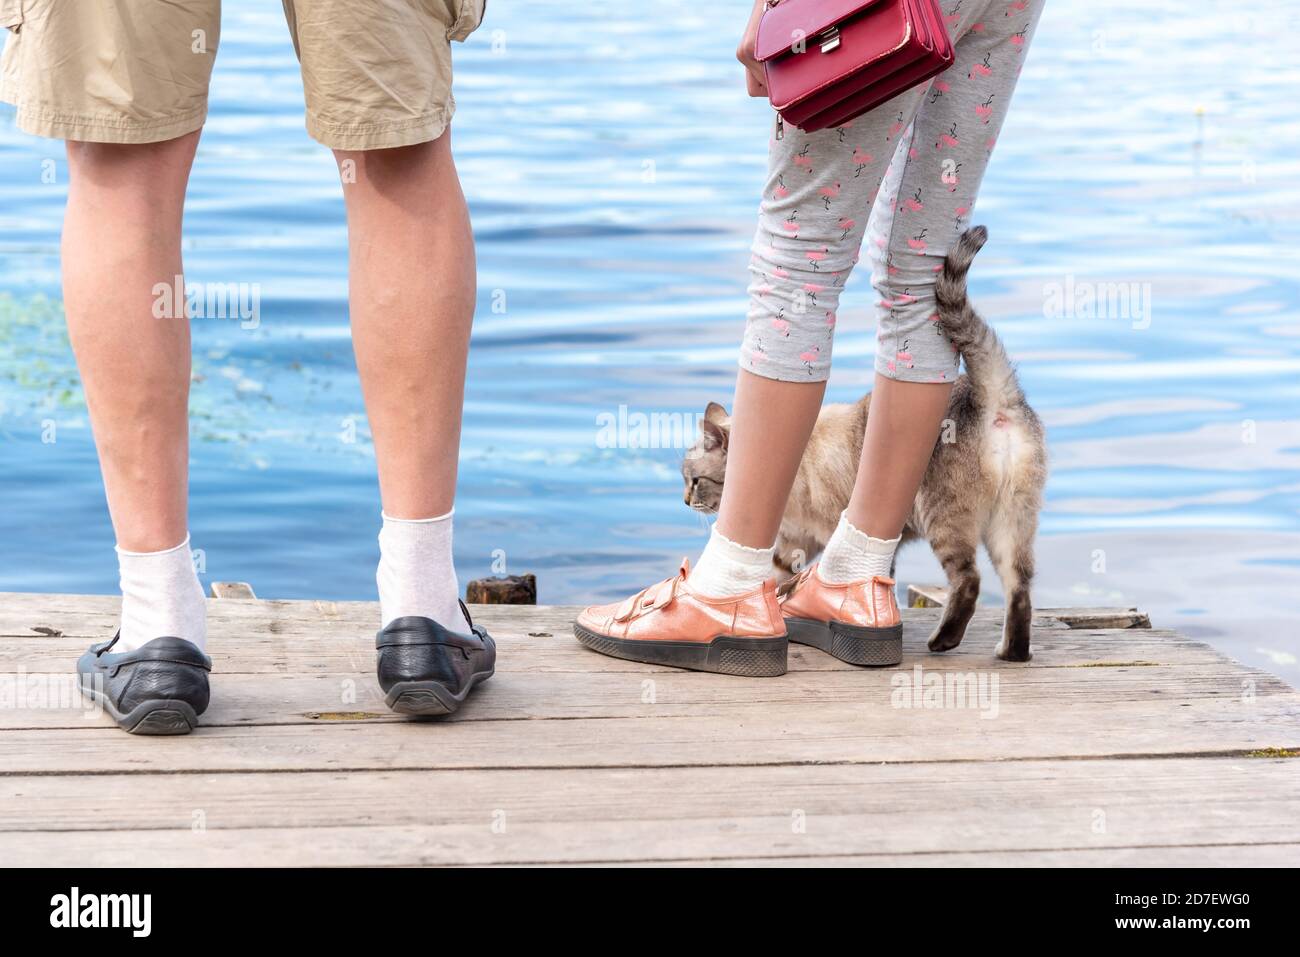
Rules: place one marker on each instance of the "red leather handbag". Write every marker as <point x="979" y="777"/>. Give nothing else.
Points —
<point x="828" y="61"/>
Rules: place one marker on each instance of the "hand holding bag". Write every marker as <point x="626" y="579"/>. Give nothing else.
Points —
<point x="827" y="61"/>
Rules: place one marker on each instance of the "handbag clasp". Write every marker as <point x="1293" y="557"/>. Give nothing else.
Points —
<point x="830" y="40"/>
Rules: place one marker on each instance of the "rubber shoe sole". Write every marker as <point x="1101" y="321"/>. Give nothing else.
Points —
<point x="430" y="698"/>
<point x="155" y="716"/>
<point x="724" y="655"/>
<point x="871" y="647"/>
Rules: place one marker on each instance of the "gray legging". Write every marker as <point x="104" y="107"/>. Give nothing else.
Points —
<point x="903" y="176"/>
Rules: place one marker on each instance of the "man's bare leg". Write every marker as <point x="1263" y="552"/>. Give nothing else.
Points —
<point x="412" y="289"/>
<point x="121" y="242"/>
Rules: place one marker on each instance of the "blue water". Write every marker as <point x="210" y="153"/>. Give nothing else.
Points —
<point x="613" y="167"/>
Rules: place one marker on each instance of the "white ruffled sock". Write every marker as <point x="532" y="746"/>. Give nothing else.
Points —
<point x="161" y="596"/>
<point x="416" y="575"/>
<point x="727" y="568"/>
<point x="853" y="556"/>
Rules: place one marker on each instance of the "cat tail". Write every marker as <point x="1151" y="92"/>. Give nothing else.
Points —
<point x="987" y="364"/>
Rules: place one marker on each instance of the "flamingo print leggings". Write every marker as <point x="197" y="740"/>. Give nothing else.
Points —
<point x="902" y="178"/>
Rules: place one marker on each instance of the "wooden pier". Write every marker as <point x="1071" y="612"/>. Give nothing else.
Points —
<point x="1118" y="744"/>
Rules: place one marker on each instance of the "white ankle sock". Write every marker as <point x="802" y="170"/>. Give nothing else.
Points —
<point x="416" y="575"/>
<point x="853" y="556"/>
<point x="727" y="568"/>
<point x="161" y="596"/>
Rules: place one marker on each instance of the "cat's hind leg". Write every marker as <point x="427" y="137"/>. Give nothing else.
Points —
<point x="1010" y="541"/>
<point x="954" y="546"/>
<point x="783" y="566"/>
<point x="791" y="556"/>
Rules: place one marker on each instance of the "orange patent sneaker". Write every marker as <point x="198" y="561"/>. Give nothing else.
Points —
<point x="858" y="622"/>
<point x="669" y="624"/>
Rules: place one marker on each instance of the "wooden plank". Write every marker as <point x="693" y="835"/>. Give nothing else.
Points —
<point x="562" y="653"/>
<point x="921" y="812"/>
<point x="545" y="643"/>
<point x="1250" y="855"/>
<point x="350" y="651"/>
<point x="1099" y="617"/>
<point x="346" y="696"/>
<point x="1093" y="653"/>
<point x="864" y="732"/>
<point x="426" y="847"/>
<point x="24" y="615"/>
<point x="927" y="596"/>
<point x="936" y="596"/>
<point x="235" y="590"/>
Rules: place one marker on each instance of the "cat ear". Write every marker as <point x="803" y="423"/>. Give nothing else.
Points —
<point x="715" y="436"/>
<point x="716" y="414"/>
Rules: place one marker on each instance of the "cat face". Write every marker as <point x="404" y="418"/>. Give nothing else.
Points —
<point x="706" y="461"/>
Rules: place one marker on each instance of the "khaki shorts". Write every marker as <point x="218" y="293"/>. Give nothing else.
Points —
<point x="376" y="73"/>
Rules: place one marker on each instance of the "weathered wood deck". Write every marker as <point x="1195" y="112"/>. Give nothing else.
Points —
<point x="1114" y="746"/>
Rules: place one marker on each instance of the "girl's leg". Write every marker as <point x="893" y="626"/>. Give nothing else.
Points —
<point x="770" y="425"/>
<point x="925" y="204"/>
<point x="815" y="207"/>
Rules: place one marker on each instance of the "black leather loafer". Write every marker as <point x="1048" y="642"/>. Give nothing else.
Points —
<point x="160" y="688"/>
<point x="426" y="669"/>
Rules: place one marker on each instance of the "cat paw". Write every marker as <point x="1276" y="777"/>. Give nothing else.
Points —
<point x="943" y="640"/>
<point x="1018" y="651"/>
